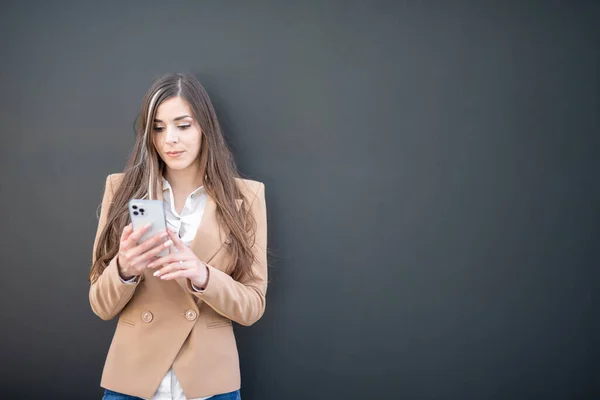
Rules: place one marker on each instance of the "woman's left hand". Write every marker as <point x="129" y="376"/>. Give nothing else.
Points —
<point x="183" y="264"/>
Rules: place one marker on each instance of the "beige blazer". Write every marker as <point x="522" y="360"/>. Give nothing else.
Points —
<point x="165" y="324"/>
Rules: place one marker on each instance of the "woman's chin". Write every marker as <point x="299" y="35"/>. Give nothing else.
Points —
<point x="177" y="166"/>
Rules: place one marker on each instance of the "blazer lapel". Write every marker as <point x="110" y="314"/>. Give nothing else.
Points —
<point x="209" y="237"/>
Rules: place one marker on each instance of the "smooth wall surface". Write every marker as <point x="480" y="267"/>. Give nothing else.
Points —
<point x="431" y="173"/>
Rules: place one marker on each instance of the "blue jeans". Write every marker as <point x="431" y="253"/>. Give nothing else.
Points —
<point x="110" y="395"/>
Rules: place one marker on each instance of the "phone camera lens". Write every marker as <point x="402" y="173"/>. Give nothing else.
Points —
<point x="141" y="210"/>
<point x="134" y="207"/>
<point x="136" y="213"/>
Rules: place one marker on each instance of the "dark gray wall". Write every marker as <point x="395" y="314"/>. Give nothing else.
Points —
<point x="431" y="183"/>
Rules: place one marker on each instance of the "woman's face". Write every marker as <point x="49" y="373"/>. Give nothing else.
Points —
<point x="176" y="134"/>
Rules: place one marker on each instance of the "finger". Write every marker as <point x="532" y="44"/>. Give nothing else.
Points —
<point x="126" y="232"/>
<point x="152" y="254"/>
<point x="152" y="243"/>
<point x="177" y="240"/>
<point x="138" y="233"/>
<point x="168" y="259"/>
<point x="175" y="266"/>
<point x="186" y="273"/>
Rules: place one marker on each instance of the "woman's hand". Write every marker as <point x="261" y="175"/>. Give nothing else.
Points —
<point x="183" y="264"/>
<point x="133" y="259"/>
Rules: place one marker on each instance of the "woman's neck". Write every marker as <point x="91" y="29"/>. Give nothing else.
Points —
<point x="184" y="181"/>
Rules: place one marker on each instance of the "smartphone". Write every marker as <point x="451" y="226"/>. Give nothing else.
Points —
<point x="143" y="212"/>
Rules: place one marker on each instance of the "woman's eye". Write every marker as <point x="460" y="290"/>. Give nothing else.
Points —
<point x="158" y="129"/>
<point x="184" y="126"/>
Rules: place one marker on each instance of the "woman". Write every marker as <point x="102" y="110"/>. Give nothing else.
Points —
<point x="174" y="338"/>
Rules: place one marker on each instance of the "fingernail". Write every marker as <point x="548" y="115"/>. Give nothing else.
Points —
<point x="157" y="273"/>
<point x="168" y="243"/>
<point x="150" y="265"/>
<point x="148" y="225"/>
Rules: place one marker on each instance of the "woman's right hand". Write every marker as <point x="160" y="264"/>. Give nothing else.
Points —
<point x="133" y="258"/>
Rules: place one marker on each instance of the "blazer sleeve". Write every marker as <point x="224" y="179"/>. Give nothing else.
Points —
<point x="243" y="301"/>
<point x="109" y="294"/>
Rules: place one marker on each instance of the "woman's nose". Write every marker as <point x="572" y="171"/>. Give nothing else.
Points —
<point x="172" y="136"/>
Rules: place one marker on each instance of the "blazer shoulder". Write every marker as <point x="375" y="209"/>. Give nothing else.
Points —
<point x="249" y="187"/>
<point x="114" y="180"/>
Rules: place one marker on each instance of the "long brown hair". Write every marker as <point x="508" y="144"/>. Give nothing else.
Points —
<point x="143" y="175"/>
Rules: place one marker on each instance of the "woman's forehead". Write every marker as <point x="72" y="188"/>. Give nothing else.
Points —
<point x="173" y="108"/>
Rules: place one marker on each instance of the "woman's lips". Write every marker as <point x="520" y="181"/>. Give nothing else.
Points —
<point x="174" y="154"/>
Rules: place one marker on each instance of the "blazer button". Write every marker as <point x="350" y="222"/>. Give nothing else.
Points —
<point x="147" y="316"/>
<point x="191" y="315"/>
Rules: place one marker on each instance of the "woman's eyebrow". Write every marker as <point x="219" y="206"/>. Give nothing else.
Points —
<point x="174" y="119"/>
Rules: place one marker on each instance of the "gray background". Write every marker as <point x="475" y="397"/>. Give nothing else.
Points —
<point x="431" y="183"/>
